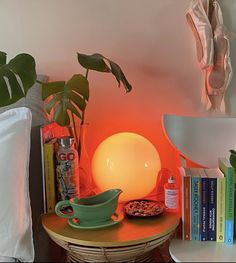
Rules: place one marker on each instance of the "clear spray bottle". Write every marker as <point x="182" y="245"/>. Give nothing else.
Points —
<point x="171" y="195"/>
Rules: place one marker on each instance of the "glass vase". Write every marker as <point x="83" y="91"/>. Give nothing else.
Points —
<point x="85" y="174"/>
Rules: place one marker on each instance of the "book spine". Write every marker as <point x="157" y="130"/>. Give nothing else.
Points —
<point x="186" y="208"/>
<point x="183" y="203"/>
<point x="195" y="208"/>
<point x="204" y="209"/>
<point x="49" y="170"/>
<point x="220" y="210"/>
<point x="229" y="207"/>
<point x="235" y="211"/>
<point x="212" y="209"/>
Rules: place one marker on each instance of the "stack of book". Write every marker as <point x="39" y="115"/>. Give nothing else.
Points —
<point x="49" y="134"/>
<point x="208" y="203"/>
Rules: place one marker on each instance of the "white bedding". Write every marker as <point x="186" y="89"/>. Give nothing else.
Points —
<point x="15" y="218"/>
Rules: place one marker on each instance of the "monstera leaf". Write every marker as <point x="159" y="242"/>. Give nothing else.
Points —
<point x="232" y="159"/>
<point x="16" y="77"/>
<point x="100" y="63"/>
<point x="120" y="76"/>
<point x="66" y="98"/>
<point x="93" y="62"/>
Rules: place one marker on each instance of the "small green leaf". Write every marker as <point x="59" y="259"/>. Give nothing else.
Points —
<point x="51" y="88"/>
<point x="93" y="62"/>
<point x="3" y="58"/>
<point x="24" y="66"/>
<point x="66" y="97"/>
<point x="120" y="76"/>
<point x="19" y="73"/>
<point x="232" y="159"/>
<point x="79" y="84"/>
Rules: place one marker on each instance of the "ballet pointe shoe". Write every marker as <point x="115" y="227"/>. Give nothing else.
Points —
<point x="219" y="76"/>
<point x="197" y="18"/>
<point x="217" y="73"/>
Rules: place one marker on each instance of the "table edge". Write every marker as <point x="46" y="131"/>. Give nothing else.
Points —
<point x="109" y="243"/>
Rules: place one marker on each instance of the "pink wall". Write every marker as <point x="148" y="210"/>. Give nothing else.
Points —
<point x="149" y="39"/>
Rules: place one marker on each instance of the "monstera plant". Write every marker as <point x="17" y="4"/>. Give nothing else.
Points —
<point x="69" y="99"/>
<point x="16" y="77"/>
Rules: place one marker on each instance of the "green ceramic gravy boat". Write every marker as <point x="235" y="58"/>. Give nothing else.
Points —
<point x="91" y="210"/>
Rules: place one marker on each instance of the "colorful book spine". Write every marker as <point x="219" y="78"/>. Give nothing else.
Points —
<point x="43" y="171"/>
<point x="235" y="211"/>
<point x="204" y="208"/>
<point x="212" y="209"/>
<point x="182" y="174"/>
<point x="195" y="208"/>
<point x="228" y="171"/>
<point x="220" y="210"/>
<point x="186" y="203"/>
<point x="49" y="171"/>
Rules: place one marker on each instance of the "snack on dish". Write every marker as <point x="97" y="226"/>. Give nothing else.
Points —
<point x="143" y="208"/>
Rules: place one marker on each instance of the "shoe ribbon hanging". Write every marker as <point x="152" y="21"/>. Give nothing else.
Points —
<point x="213" y="51"/>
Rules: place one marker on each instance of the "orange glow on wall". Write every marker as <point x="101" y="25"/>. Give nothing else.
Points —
<point x="127" y="161"/>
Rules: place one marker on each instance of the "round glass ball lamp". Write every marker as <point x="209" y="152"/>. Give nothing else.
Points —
<point x="127" y="161"/>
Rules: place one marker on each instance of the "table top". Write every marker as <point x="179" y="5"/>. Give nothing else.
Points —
<point x="127" y="232"/>
<point x="204" y="251"/>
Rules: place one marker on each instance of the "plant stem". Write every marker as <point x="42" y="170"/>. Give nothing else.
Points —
<point x="86" y="74"/>
<point x="75" y="132"/>
<point x="82" y="118"/>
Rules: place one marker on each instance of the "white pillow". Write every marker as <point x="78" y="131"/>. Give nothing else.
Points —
<point x="8" y="259"/>
<point x="15" y="213"/>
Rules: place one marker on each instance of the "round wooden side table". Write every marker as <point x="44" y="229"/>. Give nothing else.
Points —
<point x="132" y="240"/>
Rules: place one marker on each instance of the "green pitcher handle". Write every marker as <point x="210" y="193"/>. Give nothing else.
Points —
<point x="58" y="207"/>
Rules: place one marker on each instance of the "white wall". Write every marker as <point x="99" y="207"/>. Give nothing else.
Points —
<point x="150" y="39"/>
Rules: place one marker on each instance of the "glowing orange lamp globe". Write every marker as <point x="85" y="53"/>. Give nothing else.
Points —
<point x="127" y="161"/>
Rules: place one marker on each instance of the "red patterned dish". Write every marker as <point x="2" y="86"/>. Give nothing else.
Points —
<point x="143" y="208"/>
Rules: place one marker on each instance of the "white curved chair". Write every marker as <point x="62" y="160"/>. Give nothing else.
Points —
<point x="201" y="139"/>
